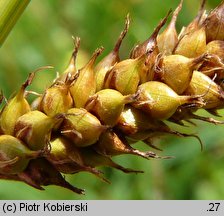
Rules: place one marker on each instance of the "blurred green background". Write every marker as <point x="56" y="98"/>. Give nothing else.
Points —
<point x="42" y="36"/>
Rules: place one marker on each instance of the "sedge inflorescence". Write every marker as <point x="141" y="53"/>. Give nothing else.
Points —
<point x="89" y="115"/>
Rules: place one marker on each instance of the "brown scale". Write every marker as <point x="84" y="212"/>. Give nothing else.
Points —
<point x="93" y="159"/>
<point x="110" y="144"/>
<point x="67" y="158"/>
<point x="187" y="114"/>
<point x="41" y="172"/>
<point x="214" y="68"/>
<point x="216" y="47"/>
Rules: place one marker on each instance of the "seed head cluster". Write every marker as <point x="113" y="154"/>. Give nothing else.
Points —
<point x="90" y="114"/>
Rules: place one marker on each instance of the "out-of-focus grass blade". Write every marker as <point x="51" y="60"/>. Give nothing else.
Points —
<point x="10" y="11"/>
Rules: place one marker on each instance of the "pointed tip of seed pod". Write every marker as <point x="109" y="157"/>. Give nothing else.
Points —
<point x="123" y="34"/>
<point x="206" y="119"/>
<point x="158" y="27"/>
<point x="149" y="143"/>
<point x="67" y="185"/>
<point x="76" y="41"/>
<point x="126" y="170"/>
<point x="150" y="44"/>
<point x="97" y="173"/>
<point x="92" y="60"/>
<point x="213" y="112"/>
<point x="202" y="6"/>
<point x="32" y="74"/>
<point x="175" y="14"/>
<point x="150" y="154"/>
<point x="98" y="51"/>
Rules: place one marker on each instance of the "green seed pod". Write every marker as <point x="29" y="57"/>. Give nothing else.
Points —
<point x="108" y="105"/>
<point x="177" y="70"/>
<point x="15" y="107"/>
<point x="202" y="84"/>
<point x="67" y="158"/>
<point x="168" y="39"/>
<point x="40" y="172"/>
<point x="139" y="126"/>
<point x="160" y="101"/>
<point x="85" y="82"/>
<point x="216" y="47"/>
<point x="192" y="44"/>
<point x="111" y="145"/>
<point x="81" y="127"/>
<point x="35" y="128"/>
<point x="71" y="69"/>
<point x="214" y="24"/>
<point x="93" y="159"/>
<point x="110" y="60"/>
<point x="14" y="155"/>
<point x="125" y="75"/>
<point x="57" y="98"/>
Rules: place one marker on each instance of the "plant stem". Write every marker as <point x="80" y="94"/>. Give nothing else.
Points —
<point x="10" y="11"/>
